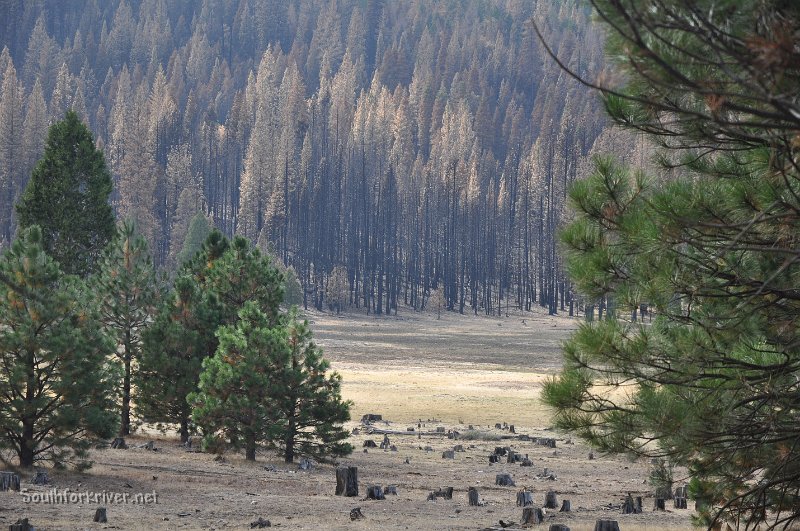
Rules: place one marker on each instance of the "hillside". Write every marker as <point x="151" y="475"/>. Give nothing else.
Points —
<point x="395" y="147"/>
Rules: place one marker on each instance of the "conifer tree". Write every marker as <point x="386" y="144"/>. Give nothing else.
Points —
<point x="267" y="385"/>
<point x="128" y="292"/>
<point x="67" y="197"/>
<point x="711" y="249"/>
<point x="56" y="385"/>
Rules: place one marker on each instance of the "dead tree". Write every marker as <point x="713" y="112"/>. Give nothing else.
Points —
<point x="347" y="481"/>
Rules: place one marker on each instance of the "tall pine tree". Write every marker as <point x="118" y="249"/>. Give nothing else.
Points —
<point x="67" y="197"/>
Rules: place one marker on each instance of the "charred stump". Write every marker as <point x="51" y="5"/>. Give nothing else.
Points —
<point x="375" y="492"/>
<point x="21" y="525"/>
<point x="119" y="444"/>
<point x="606" y="525"/>
<point x="532" y="516"/>
<point x="558" y="527"/>
<point x="9" y="481"/>
<point x="347" y="481"/>
<point x="504" y="480"/>
<point x="100" y="515"/>
<point x="550" y="500"/>
<point x="524" y="498"/>
<point x="565" y="507"/>
<point x="355" y="514"/>
<point x="473" y="497"/>
<point x="631" y="505"/>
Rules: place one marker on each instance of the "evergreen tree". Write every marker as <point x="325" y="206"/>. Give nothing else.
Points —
<point x="174" y="347"/>
<point x="267" y="384"/>
<point x="56" y="385"/>
<point x="197" y="233"/>
<point x="308" y="401"/>
<point x="128" y="291"/>
<point x="711" y="384"/>
<point x="67" y="196"/>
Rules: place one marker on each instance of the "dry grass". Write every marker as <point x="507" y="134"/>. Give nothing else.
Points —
<point x="454" y="371"/>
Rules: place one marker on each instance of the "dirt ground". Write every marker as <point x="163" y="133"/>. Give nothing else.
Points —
<point x="415" y="371"/>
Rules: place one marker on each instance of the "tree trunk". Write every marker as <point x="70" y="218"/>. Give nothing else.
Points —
<point x="347" y="481"/>
<point x="125" y="425"/>
<point x="288" y="454"/>
<point x="184" y="431"/>
<point x="250" y="450"/>
<point x="606" y="525"/>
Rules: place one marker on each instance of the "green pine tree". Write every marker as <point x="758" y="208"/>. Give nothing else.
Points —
<point x="712" y="249"/>
<point x="67" y="197"/>
<point x="56" y="386"/>
<point x="307" y="399"/>
<point x="174" y="347"/>
<point x="127" y="289"/>
<point x="267" y="384"/>
<point x="199" y="229"/>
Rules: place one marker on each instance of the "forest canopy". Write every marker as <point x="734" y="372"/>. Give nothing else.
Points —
<point x="417" y="145"/>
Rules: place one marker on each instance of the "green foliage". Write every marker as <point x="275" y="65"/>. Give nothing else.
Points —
<point x="67" y="197"/>
<point x="127" y="289"/>
<point x="711" y="383"/>
<point x="174" y="347"/>
<point x="199" y="229"/>
<point x="268" y="384"/>
<point x="209" y="292"/>
<point x="56" y="386"/>
<point x="292" y="290"/>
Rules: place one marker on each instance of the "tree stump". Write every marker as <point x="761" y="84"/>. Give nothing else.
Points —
<point x="260" y="524"/>
<point x="565" y="507"/>
<point x="558" y="527"/>
<point x="370" y="417"/>
<point x="305" y="464"/>
<point x="439" y="429"/>
<point x="375" y="492"/>
<point x="473" y="497"/>
<point x="355" y="514"/>
<point x="498" y="426"/>
<point x="660" y="504"/>
<point x="526" y="462"/>
<point x="41" y="478"/>
<point x="591" y="456"/>
<point x="369" y="443"/>
<point x="119" y="444"/>
<point x="100" y="515"/>
<point x="532" y="516"/>
<point x="511" y="429"/>
<point x="499" y="450"/>
<point x="444" y="492"/>
<point x="151" y="445"/>
<point x="21" y="525"/>
<point x="512" y="457"/>
<point x="385" y="444"/>
<point x="9" y="481"/>
<point x="494" y="458"/>
<point x="524" y="498"/>
<point x="347" y="481"/>
<point x="458" y="448"/>
<point x="680" y="503"/>
<point x="390" y="489"/>
<point x="448" y="454"/>
<point x="632" y="506"/>
<point x="550" y="500"/>
<point x="606" y="525"/>
<point x="504" y="480"/>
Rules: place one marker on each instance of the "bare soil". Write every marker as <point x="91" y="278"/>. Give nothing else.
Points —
<point x="417" y="372"/>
